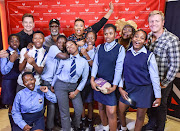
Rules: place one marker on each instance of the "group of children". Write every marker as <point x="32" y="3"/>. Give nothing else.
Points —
<point x="134" y="72"/>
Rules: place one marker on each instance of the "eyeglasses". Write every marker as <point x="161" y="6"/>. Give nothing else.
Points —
<point x="55" y="26"/>
<point x="90" y="38"/>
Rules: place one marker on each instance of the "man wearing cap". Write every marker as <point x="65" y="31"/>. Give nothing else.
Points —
<point x="54" y="27"/>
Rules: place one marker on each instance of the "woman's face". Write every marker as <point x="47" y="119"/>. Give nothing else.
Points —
<point x="127" y="32"/>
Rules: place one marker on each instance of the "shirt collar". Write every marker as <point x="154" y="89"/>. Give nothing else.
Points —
<point x="110" y="44"/>
<point x="162" y="35"/>
<point x="77" y="56"/>
<point x="28" y="91"/>
<point x="11" y="49"/>
<point x="34" y="48"/>
<point x="142" y="50"/>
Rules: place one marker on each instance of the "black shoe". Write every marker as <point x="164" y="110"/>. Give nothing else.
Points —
<point x="77" y="129"/>
<point x="148" y="127"/>
<point x="90" y="127"/>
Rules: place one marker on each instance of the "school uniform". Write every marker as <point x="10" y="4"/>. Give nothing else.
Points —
<point x="41" y="58"/>
<point x="64" y="83"/>
<point x="87" y="93"/>
<point x="49" y="71"/>
<point x="108" y="64"/>
<point x="28" y="106"/>
<point x="10" y="72"/>
<point x="141" y="77"/>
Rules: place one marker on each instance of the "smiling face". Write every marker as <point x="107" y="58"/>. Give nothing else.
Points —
<point x="38" y="40"/>
<point x="79" y="28"/>
<point x="29" y="81"/>
<point x="156" y="23"/>
<point x="54" y="28"/>
<point x="14" y="42"/>
<point x="61" y="43"/>
<point x="28" y="24"/>
<point x="90" y="38"/>
<point x="127" y="32"/>
<point x="138" y="40"/>
<point x="109" y="34"/>
<point x="72" y="48"/>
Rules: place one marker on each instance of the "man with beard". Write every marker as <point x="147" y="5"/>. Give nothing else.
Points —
<point x="54" y="27"/>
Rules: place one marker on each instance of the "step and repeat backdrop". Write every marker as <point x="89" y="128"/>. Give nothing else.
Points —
<point x="66" y="11"/>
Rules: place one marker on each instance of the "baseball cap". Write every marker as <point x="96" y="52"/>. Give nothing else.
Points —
<point x="55" y="21"/>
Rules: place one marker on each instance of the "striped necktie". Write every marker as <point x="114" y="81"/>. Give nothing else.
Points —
<point x="73" y="67"/>
<point x="35" y="59"/>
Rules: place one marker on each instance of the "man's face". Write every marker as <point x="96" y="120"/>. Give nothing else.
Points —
<point x="28" y="24"/>
<point x="38" y="40"/>
<point x="54" y="28"/>
<point x="156" y="23"/>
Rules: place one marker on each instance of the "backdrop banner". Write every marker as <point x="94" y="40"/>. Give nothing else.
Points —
<point x="66" y="11"/>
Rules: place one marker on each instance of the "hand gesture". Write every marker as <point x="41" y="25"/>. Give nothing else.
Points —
<point x="157" y="102"/>
<point x="30" y="46"/>
<point x="26" y="56"/>
<point x="27" y="128"/>
<point x="52" y="89"/>
<point x="72" y="95"/>
<point x="83" y="51"/>
<point x="94" y="85"/>
<point x="110" y="89"/>
<point x="123" y="93"/>
<point x="44" y="89"/>
<point x="14" y="56"/>
<point x="80" y="43"/>
<point x="31" y="60"/>
<point x="3" y="54"/>
<point x="111" y="6"/>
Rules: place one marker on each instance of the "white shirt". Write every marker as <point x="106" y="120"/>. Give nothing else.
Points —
<point x="40" y="62"/>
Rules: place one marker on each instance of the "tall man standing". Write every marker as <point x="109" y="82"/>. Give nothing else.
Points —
<point x="166" y="48"/>
<point x="26" y="34"/>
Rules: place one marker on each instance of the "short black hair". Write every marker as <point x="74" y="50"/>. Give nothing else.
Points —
<point x="72" y="41"/>
<point x="11" y="35"/>
<point x="142" y="31"/>
<point x="61" y="36"/>
<point x="92" y="32"/>
<point x="38" y="31"/>
<point x="110" y="25"/>
<point x="27" y="73"/>
<point x="79" y="19"/>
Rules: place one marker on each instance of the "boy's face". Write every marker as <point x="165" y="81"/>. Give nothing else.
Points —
<point x="138" y="40"/>
<point x="29" y="81"/>
<point x="90" y="38"/>
<point x="38" y="40"/>
<point x="72" y="48"/>
<point x="61" y="43"/>
<point x="54" y="28"/>
<point x="14" y="42"/>
<point x="127" y="32"/>
<point x="79" y="28"/>
<point x="28" y="24"/>
<point x="109" y="34"/>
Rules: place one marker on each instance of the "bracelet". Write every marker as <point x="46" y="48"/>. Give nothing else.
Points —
<point x="74" y="94"/>
<point x="111" y="11"/>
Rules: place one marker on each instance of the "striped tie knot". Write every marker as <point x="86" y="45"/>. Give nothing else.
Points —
<point x="73" y="67"/>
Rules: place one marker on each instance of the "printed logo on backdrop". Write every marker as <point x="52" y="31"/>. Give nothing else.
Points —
<point x="126" y="11"/>
<point x="147" y="11"/>
<point x="60" y="20"/>
<point x="40" y="5"/>
<point x="137" y="19"/>
<point x="17" y="28"/>
<point x="105" y="11"/>
<point x="58" y="5"/>
<point x="68" y="12"/>
<point x="119" y="3"/>
<point x="114" y="20"/>
<point x="137" y="3"/>
<point x="86" y="12"/>
<point x="50" y="13"/>
<point x="96" y="3"/>
<point x="16" y="13"/>
<point x="23" y="5"/>
<point x="77" y="4"/>
<point x="33" y="13"/>
<point x="41" y="20"/>
<point x="94" y="20"/>
<point x="145" y="27"/>
<point x="67" y="28"/>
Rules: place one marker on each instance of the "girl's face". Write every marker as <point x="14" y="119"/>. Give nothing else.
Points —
<point x="138" y="40"/>
<point x="90" y="38"/>
<point x="79" y="28"/>
<point x="127" y="32"/>
<point x="14" y="42"/>
<point x="72" y="48"/>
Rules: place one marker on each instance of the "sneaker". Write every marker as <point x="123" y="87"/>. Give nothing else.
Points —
<point x="99" y="127"/>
